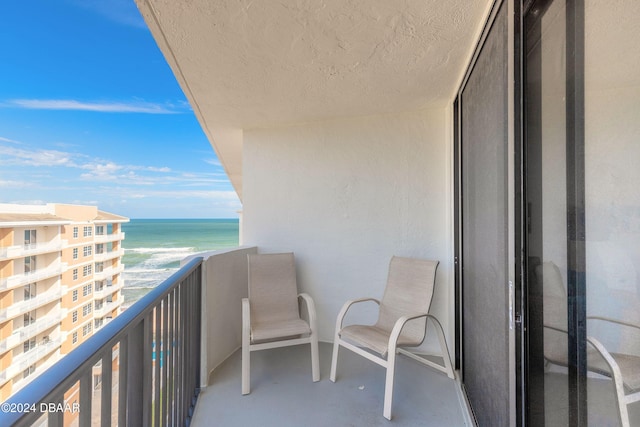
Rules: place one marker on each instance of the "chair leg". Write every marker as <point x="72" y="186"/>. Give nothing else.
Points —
<point x="388" y="385"/>
<point x="246" y="365"/>
<point x="334" y="359"/>
<point x="315" y="364"/>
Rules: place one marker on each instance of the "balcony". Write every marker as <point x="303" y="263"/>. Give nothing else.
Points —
<point x="27" y="305"/>
<point x="108" y="272"/>
<point x="40" y="274"/>
<point x="18" y="251"/>
<point x="107" y="255"/>
<point x="108" y="307"/>
<point x="105" y="238"/>
<point x="24" y="360"/>
<point x="150" y="393"/>
<point x="40" y="325"/>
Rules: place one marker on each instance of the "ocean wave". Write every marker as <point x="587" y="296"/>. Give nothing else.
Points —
<point x="159" y="250"/>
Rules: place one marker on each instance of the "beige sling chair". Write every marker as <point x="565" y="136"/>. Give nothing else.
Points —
<point x="270" y="316"/>
<point x="402" y="322"/>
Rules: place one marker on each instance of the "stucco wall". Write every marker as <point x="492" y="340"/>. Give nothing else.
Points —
<point x="345" y="196"/>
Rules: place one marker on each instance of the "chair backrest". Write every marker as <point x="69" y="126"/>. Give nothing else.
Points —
<point x="409" y="291"/>
<point x="273" y="292"/>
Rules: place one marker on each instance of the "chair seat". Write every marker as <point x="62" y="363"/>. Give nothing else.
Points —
<point x="271" y="330"/>
<point x="372" y="337"/>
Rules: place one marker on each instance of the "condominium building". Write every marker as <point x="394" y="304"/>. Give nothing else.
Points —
<point x="60" y="281"/>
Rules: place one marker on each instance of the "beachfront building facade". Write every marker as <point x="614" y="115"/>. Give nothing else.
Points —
<point x="499" y="137"/>
<point x="60" y="281"/>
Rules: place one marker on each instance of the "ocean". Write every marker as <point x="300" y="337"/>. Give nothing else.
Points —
<point x="153" y="248"/>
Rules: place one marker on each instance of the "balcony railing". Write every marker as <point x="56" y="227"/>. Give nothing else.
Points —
<point x="40" y="274"/>
<point x="40" y="325"/>
<point x="18" y="251"/>
<point x="104" y="238"/>
<point x="108" y="307"/>
<point x="108" y="272"/>
<point x="163" y="326"/>
<point x="30" y="304"/>
<point x="107" y="255"/>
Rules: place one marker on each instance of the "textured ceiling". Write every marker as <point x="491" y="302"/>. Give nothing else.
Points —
<point x="251" y="64"/>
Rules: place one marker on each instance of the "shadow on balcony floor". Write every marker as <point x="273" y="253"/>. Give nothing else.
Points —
<point x="283" y="394"/>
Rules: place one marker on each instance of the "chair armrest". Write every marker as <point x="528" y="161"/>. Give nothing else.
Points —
<point x="613" y="365"/>
<point x="311" y="310"/>
<point x="610" y="320"/>
<point x="345" y="308"/>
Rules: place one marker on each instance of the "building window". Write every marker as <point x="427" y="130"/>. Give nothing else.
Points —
<point x="99" y="230"/>
<point x="29" y="291"/>
<point x="86" y="309"/>
<point x="29" y="238"/>
<point x="87" y="231"/>
<point x="29" y="264"/>
<point x="74" y="295"/>
<point x="75" y="253"/>
<point x="29" y="345"/>
<point x="75" y="274"/>
<point x="74" y="316"/>
<point x="99" y="248"/>
<point x="99" y="267"/>
<point x="86" y="329"/>
<point x="29" y="318"/>
<point x="75" y="232"/>
<point x="74" y="338"/>
<point x="86" y="290"/>
<point x="30" y="370"/>
<point x="87" y="250"/>
<point x="86" y="270"/>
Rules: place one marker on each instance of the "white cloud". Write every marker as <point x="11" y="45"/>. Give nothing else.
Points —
<point x="11" y="155"/>
<point x="14" y="184"/>
<point x="102" y="107"/>
<point x="13" y="141"/>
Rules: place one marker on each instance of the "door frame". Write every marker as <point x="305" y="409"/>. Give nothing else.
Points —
<point x="515" y="208"/>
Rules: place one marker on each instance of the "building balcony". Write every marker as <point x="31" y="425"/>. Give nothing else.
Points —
<point x="19" y="251"/>
<point x="105" y="238"/>
<point x="26" y="359"/>
<point x="205" y="356"/>
<point x="39" y="300"/>
<point x="107" y="255"/>
<point x="108" y="307"/>
<point x="108" y="272"/>
<point x="35" y="276"/>
<point x="40" y="325"/>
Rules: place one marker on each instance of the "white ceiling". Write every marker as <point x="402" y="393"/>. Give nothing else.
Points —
<point x="250" y="64"/>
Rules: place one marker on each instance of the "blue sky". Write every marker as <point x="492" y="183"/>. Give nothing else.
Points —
<point x="90" y="113"/>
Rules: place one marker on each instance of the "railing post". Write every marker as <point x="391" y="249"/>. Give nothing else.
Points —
<point x="135" y="351"/>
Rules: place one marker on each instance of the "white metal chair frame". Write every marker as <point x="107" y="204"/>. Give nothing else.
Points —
<point x="248" y="344"/>
<point x="392" y="350"/>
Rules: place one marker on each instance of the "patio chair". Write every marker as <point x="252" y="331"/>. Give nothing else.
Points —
<point x="624" y="369"/>
<point x="271" y="316"/>
<point x="402" y="322"/>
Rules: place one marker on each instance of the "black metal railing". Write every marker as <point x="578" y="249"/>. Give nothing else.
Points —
<point x="141" y="369"/>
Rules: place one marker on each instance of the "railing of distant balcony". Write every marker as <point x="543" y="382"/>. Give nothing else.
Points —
<point x="158" y="345"/>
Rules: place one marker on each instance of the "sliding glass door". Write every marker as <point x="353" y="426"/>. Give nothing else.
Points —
<point x="582" y="218"/>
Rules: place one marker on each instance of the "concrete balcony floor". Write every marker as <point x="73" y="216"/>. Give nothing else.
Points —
<point x="283" y="394"/>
